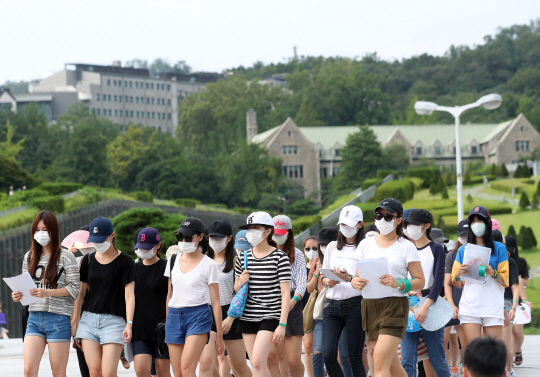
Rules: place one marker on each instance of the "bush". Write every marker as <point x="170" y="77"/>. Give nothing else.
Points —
<point x="493" y="171"/>
<point x="444" y="193"/>
<point x="535" y="201"/>
<point x="187" y="203"/>
<point x="430" y="205"/>
<point x="511" y="231"/>
<point x="60" y="188"/>
<point x="526" y="239"/>
<point x="530" y="234"/>
<point x="142" y="196"/>
<point x="302" y="223"/>
<point x="370" y="182"/>
<point x="503" y="172"/>
<point x="493" y="210"/>
<point x="538" y="189"/>
<point x="217" y="205"/>
<point x="401" y="190"/>
<point x="12" y="174"/>
<point x="243" y="211"/>
<point x="426" y="173"/>
<point x="467" y="180"/>
<point x="304" y="207"/>
<point x="480" y="179"/>
<point x="449" y="179"/>
<point x="469" y="199"/>
<point x="53" y="203"/>
<point x="368" y="210"/>
<point x="381" y="174"/>
<point x="26" y="195"/>
<point x="524" y="201"/>
<point x="535" y="317"/>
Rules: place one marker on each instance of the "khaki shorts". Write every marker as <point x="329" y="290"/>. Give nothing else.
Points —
<point x="385" y="316"/>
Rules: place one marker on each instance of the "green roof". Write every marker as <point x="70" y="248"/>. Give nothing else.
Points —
<point x="259" y="138"/>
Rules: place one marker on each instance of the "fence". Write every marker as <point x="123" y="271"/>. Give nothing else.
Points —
<point x="16" y="242"/>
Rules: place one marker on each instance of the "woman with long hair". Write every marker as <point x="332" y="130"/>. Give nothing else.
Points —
<point x="107" y="317"/>
<point x="311" y="252"/>
<point x="55" y="272"/>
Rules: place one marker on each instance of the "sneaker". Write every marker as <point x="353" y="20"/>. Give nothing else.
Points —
<point x="454" y="371"/>
<point x="125" y="363"/>
<point x="460" y="368"/>
<point x="511" y="374"/>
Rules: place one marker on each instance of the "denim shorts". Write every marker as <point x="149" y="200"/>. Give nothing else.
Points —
<point x="147" y="347"/>
<point x="101" y="328"/>
<point x="53" y="327"/>
<point x="183" y="322"/>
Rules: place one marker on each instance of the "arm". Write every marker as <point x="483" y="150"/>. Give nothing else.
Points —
<point x="130" y="310"/>
<point x="216" y="309"/>
<point x="448" y="294"/>
<point x="300" y="279"/>
<point x="515" y="300"/>
<point x="72" y="281"/>
<point x="312" y="283"/>
<point x="415" y="269"/>
<point x="279" y="333"/>
<point x="76" y="316"/>
<point x="169" y="296"/>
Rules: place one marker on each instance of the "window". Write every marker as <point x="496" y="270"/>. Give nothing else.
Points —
<point x="114" y="82"/>
<point x="109" y="97"/>
<point x="162" y="86"/>
<point x="454" y="149"/>
<point x="285" y="171"/>
<point x="127" y="98"/>
<point x="136" y="99"/>
<point x="104" y="97"/>
<point x="151" y="85"/>
<point x="120" y="112"/>
<point x="163" y="116"/>
<point x="335" y="171"/>
<point x="98" y="112"/>
<point x="301" y="171"/>
<point x="137" y="84"/>
<point x="148" y="114"/>
<point x="289" y="149"/>
<point x="527" y="146"/>
<point x="115" y="113"/>
<point x="131" y="84"/>
<point x="97" y="97"/>
<point x="142" y="114"/>
<point x="110" y="112"/>
<point x="125" y="84"/>
<point x="131" y="98"/>
<point x="159" y="115"/>
<point x="168" y="102"/>
<point x="418" y="151"/>
<point x="115" y="98"/>
<point x="119" y="98"/>
<point x="324" y="173"/>
<point x="131" y="114"/>
<point x="148" y="100"/>
<point x="147" y="86"/>
<point x="153" y="115"/>
<point x="320" y="152"/>
<point x="168" y="86"/>
<point x="169" y="116"/>
<point x="437" y="150"/>
<point x="108" y="82"/>
<point x="137" y="114"/>
<point x="336" y="152"/>
<point x="152" y="100"/>
<point x="474" y="149"/>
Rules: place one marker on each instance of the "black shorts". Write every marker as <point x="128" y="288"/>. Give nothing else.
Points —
<point x="247" y="327"/>
<point x="232" y="334"/>
<point x="295" y="320"/>
<point x="147" y="347"/>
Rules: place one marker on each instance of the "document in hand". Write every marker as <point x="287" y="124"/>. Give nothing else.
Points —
<point x="475" y="256"/>
<point x="372" y="269"/>
<point x="23" y="283"/>
<point x="329" y="273"/>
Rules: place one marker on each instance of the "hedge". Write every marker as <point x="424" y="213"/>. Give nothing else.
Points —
<point x="427" y="174"/>
<point x="430" y="205"/>
<point x="142" y="196"/>
<point x="53" y="203"/>
<point x="535" y="317"/>
<point x="26" y="195"/>
<point x="493" y="210"/>
<point x="217" y="205"/>
<point x="506" y="185"/>
<point x="402" y="190"/>
<point x="370" y="182"/>
<point x="480" y="179"/>
<point x="381" y="174"/>
<point x="243" y="211"/>
<point x="302" y="223"/>
<point x="368" y="210"/>
<point x="60" y="188"/>
<point x="187" y="203"/>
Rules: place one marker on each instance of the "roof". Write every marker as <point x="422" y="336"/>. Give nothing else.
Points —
<point x="259" y="138"/>
<point x="33" y="97"/>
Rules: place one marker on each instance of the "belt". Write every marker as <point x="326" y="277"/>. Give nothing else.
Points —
<point x="345" y="300"/>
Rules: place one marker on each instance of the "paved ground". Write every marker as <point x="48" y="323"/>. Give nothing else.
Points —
<point x="11" y="360"/>
<point x="476" y="192"/>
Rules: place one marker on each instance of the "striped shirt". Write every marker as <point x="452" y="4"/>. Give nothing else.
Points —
<point x="226" y="286"/>
<point x="68" y="277"/>
<point x="298" y="273"/>
<point x="265" y="276"/>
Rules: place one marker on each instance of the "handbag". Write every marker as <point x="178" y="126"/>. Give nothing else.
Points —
<point x="159" y="332"/>
<point x="309" y="322"/>
<point x="238" y="303"/>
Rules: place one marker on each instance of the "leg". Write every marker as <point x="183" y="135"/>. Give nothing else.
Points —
<point x="273" y="361"/>
<point x="332" y="328"/>
<point x="409" y="352"/>
<point x="386" y="358"/>
<point x="371" y="363"/>
<point x="58" y="356"/>
<point x="356" y="336"/>
<point x="365" y="359"/>
<point x="109" y="359"/>
<point x="175" y="353"/>
<point x="308" y="353"/>
<point x="472" y="330"/>
<point x="208" y="357"/>
<point x="282" y="358"/>
<point x="237" y="357"/>
<point x="33" y="348"/>
<point x="143" y="364"/>
<point x="92" y="353"/>
<point x="462" y="340"/>
<point x="163" y="367"/>
<point x="518" y="342"/>
<point x="192" y="353"/>
<point x="343" y="352"/>
<point x="507" y="339"/>
<point x="224" y="366"/>
<point x="318" y="363"/>
<point x="258" y="347"/>
<point x="293" y="352"/>
<point x="494" y="331"/>
<point x="446" y="340"/>
<point x="454" y="349"/>
<point x="428" y="369"/>
<point x="434" y="343"/>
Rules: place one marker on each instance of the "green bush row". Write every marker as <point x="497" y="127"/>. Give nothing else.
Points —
<point x="370" y="182"/>
<point x="493" y="210"/>
<point x="26" y="195"/>
<point x="428" y="174"/>
<point x="381" y="174"/>
<point x="402" y="190"/>
<point x="142" y="196"/>
<point x="535" y="317"/>
<point x="60" y="188"/>
<point x="475" y="180"/>
<point x="187" y="203"/>
<point x="302" y="223"/>
<point x="53" y="203"/>
<point x="430" y="205"/>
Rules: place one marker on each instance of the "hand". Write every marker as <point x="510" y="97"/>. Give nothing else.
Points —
<point x="389" y="281"/>
<point x="78" y="343"/>
<point x="279" y="334"/>
<point x="415" y="293"/>
<point x="506" y="319"/>
<point x="331" y="283"/>
<point x="528" y="303"/>
<point x="512" y="314"/>
<point x="74" y="325"/>
<point x="489" y="270"/>
<point x="463" y="269"/>
<point x="317" y="265"/>
<point x="421" y="314"/>
<point x="220" y="345"/>
<point x="456" y="312"/>
<point x="39" y="292"/>
<point x="342" y="274"/>
<point x="16" y="296"/>
<point x="126" y="335"/>
<point x="244" y="278"/>
<point x="291" y="305"/>
<point x="226" y="324"/>
<point x="72" y="248"/>
<point x="358" y="283"/>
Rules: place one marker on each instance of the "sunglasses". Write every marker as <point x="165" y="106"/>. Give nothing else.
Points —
<point x="181" y="238"/>
<point x="387" y="217"/>
<point x="311" y="249"/>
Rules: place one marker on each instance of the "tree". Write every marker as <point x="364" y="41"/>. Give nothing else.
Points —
<point x="469" y="199"/>
<point x="467" y="180"/>
<point x="303" y="207"/>
<point x="307" y="116"/>
<point x="493" y="170"/>
<point x="531" y="236"/>
<point x="8" y="149"/>
<point x="444" y="194"/>
<point x="538" y="189"/>
<point x="397" y="158"/>
<point x="11" y="174"/>
<point x="524" y="201"/>
<point x="511" y="231"/>
<point x="526" y="239"/>
<point x="535" y="201"/>
<point x="503" y="172"/>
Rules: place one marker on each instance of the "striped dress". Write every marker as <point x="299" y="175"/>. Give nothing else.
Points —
<point x="265" y="276"/>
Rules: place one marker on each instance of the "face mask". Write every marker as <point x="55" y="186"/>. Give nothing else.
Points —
<point x="406" y="232"/>
<point x="323" y="249"/>
<point x="145" y="254"/>
<point x="478" y="229"/>
<point x="311" y="254"/>
<point x="254" y="236"/>
<point x="384" y="226"/>
<point x="42" y="237"/>
<point x="187" y="247"/>
<point x="415" y="232"/>
<point x="463" y="240"/>
<point x="218" y="244"/>
<point x="280" y="240"/>
<point x="348" y="231"/>
<point x="101" y="247"/>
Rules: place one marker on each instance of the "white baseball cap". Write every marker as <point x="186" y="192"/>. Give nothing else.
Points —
<point x="350" y="216"/>
<point x="258" y="218"/>
<point x="282" y="224"/>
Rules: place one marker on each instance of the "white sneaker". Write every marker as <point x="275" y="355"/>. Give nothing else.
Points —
<point x="511" y="374"/>
<point x="460" y="368"/>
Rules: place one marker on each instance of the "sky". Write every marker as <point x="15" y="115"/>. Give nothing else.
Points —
<point x="39" y="37"/>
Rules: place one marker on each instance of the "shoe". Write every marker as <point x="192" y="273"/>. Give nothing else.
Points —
<point x="460" y="368"/>
<point x="125" y="363"/>
<point x="454" y="371"/>
<point x="511" y="374"/>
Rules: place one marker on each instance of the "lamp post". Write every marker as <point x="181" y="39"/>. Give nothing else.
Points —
<point x="489" y="102"/>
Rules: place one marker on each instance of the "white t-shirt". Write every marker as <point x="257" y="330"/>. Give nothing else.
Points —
<point x="399" y="255"/>
<point x="344" y="258"/>
<point x="189" y="288"/>
<point x="427" y="261"/>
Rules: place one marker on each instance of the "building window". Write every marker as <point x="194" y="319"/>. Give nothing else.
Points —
<point x="168" y="102"/>
<point x="131" y="84"/>
<point x="119" y="98"/>
<point x="136" y="99"/>
<point x="110" y="112"/>
<point x="109" y="98"/>
<point x="131" y="99"/>
<point x="454" y="149"/>
<point x="153" y="115"/>
<point x="120" y="112"/>
<point x="169" y="116"/>
<point x="324" y="173"/>
<point x="131" y="114"/>
<point x="151" y="85"/>
<point x="335" y="171"/>
<point x="97" y="97"/>
<point x="159" y="115"/>
<point x="418" y="151"/>
<point x="115" y="98"/>
<point x="474" y="149"/>
<point x="104" y="97"/>
<point x="98" y="112"/>
<point x="168" y="86"/>
<point x="527" y="146"/>
<point x="152" y="100"/>
<point x="114" y="82"/>
<point x="127" y="98"/>
<point x="137" y="113"/>
<point x="137" y="84"/>
<point x="148" y="100"/>
<point x="142" y="114"/>
<point x="285" y="171"/>
<point x="336" y="152"/>
<point x="108" y="82"/>
<point x="125" y="84"/>
<point x="437" y="150"/>
<point x="320" y="152"/>
<point x="115" y="113"/>
<point x="147" y="85"/>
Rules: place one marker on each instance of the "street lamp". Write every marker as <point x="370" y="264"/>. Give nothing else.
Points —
<point x="489" y="102"/>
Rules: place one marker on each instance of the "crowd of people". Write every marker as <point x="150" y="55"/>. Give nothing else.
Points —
<point x="221" y="298"/>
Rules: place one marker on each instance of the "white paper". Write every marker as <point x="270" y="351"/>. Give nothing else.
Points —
<point x="128" y="352"/>
<point x="23" y="283"/>
<point x="475" y="256"/>
<point x="523" y="315"/>
<point x="372" y="269"/>
<point x="329" y="273"/>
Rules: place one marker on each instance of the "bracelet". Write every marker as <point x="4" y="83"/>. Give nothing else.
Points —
<point x="407" y="285"/>
<point x="515" y="300"/>
<point x="482" y="271"/>
<point x="496" y="274"/>
<point x="457" y="279"/>
<point x="129" y="322"/>
<point x="524" y="300"/>
<point x="295" y="298"/>
<point x="399" y="282"/>
<point x="315" y="275"/>
<point x="505" y="308"/>
<point x="512" y="309"/>
<point x="283" y="324"/>
<point x="350" y="278"/>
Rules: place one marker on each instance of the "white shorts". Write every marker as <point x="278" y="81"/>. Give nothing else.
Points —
<point x="484" y="321"/>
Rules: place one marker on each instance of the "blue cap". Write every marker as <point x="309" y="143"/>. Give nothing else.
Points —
<point x="241" y="241"/>
<point x="100" y="229"/>
<point x="147" y="238"/>
<point x="406" y="214"/>
<point x="480" y="211"/>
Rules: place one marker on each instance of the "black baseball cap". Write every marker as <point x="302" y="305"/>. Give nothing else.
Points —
<point x="100" y="229"/>
<point x="437" y="235"/>
<point x="420" y="216"/>
<point x="463" y="227"/>
<point x="511" y="243"/>
<point x="190" y="227"/>
<point x="85" y="227"/>
<point x="391" y="205"/>
<point x="480" y="211"/>
<point x="497" y="235"/>
<point x="220" y="228"/>
<point x="147" y="238"/>
<point x="327" y="235"/>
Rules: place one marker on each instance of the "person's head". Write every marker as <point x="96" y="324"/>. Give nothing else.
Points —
<point x="85" y="227"/>
<point x="497" y="236"/>
<point x="311" y="249"/>
<point x="406" y="221"/>
<point x="148" y="243"/>
<point x="326" y="235"/>
<point x="101" y="234"/>
<point x="241" y="243"/>
<point x="437" y="235"/>
<point x="284" y="236"/>
<point x="190" y="236"/>
<point x="419" y="224"/>
<point x="463" y="231"/>
<point x="480" y="226"/>
<point x="220" y="236"/>
<point x="351" y="225"/>
<point x="495" y="225"/>
<point x="485" y="357"/>
<point x="389" y="216"/>
<point x="512" y="247"/>
<point x="371" y="230"/>
<point x="260" y="227"/>
<point x="45" y="234"/>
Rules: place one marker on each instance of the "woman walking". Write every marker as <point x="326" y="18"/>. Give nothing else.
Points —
<point x="311" y="252"/>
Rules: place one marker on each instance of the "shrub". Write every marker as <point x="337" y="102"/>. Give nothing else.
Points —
<point x="243" y="211"/>
<point x="503" y="172"/>
<point x="383" y="173"/>
<point x="426" y="173"/>
<point x="187" y="203"/>
<point x="469" y="199"/>
<point x="430" y="205"/>
<point x="217" y="205"/>
<point x="368" y="210"/>
<point x="530" y="234"/>
<point x="60" y="188"/>
<point x="493" y="210"/>
<point x="26" y="195"/>
<point x="467" y="180"/>
<point x="493" y="171"/>
<point x="370" y="182"/>
<point x="302" y="223"/>
<point x="511" y="231"/>
<point x="480" y="179"/>
<point x="53" y="203"/>
<point x="304" y="207"/>
<point x="524" y="201"/>
<point x="142" y="196"/>
<point x="538" y="189"/>
<point x="401" y="190"/>
<point x="526" y="239"/>
<point x="450" y="179"/>
<point x="535" y="202"/>
<point x="444" y="193"/>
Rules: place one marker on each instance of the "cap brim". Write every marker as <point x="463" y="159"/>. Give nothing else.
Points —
<point x="462" y="232"/>
<point x="281" y="232"/>
<point x="388" y="209"/>
<point x="416" y="222"/>
<point x="220" y="235"/>
<point x="242" y="245"/>
<point x="144" y="245"/>
<point x="97" y="238"/>
<point x="348" y="222"/>
<point x="443" y="240"/>
<point x="186" y="232"/>
<point x="478" y="214"/>
<point x="246" y="226"/>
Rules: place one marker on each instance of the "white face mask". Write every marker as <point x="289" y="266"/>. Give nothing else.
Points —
<point x="280" y="240"/>
<point x="405" y="232"/>
<point x="348" y="231"/>
<point x="218" y="244"/>
<point x="311" y="254"/>
<point x="463" y="239"/>
<point x="479" y="229"/>
<point x="323" y="249"/>
<point x="145" y="254"/>
<point x="385" y="227"/>
<point x="42" y="237"/>
<point x="187" y="247"/>
<point x="254" y="236"/>
<point x="101" y="247"/>
<point x="415" y="231"/>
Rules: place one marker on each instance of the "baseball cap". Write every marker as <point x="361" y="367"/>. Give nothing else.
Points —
<point x="463" y="228"/>
<point x="220" y="228"/>
<point x="511" y="243"/>
<point x="497" y="236"/>
<point x="258" y="218"/>
<point x="282" y="224"/>
<point x="420" y="216"/>
<point x="406" y="214"/>
<point x="100" y="229"/>
<point x="190" y="227"/>
<point x="147" y="238"/>
<point x="480" y="211"/>
<point x="391" y="205"/>
<point x="327" y="235"/>
<point x="438" y="235"/>
<point x="241" y="241"/>
<point x="495" y="225"/>
<point x="350" y="216"/>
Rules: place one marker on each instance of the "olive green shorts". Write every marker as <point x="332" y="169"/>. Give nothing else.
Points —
<point x="385" y="316"/>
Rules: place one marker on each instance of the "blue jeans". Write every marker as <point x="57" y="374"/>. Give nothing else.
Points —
<point x="318" y="361"/>
<point x="434" y="343"/>
<point x="337" y="315"/>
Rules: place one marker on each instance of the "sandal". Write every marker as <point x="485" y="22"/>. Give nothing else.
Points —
<point x="519" y="358"/>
